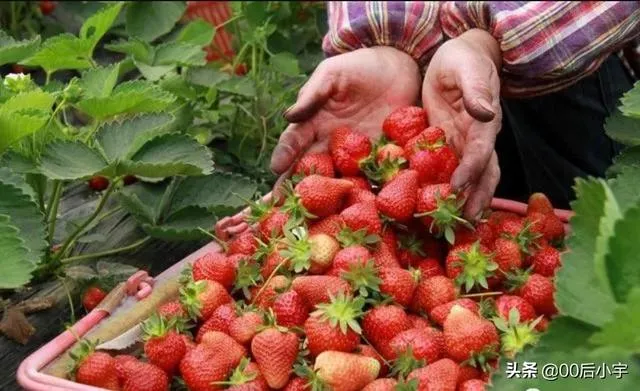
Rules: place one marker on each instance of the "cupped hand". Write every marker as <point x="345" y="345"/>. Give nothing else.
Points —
<point x="461" y="94"/>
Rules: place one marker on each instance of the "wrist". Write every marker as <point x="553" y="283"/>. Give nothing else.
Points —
<point x="486" y="43"/>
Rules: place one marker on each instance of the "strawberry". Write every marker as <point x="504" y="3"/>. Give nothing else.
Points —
<point x="302" y="252"/>
<point x="346" y="371"/>
<point x="263" y="296"/>
<point x="473" y="385"/>
<point x="172" y="309"/>
<point x="389" y="152"/>
<point x="548" y="225"/>
<point x="220" y="320"/>
<point x="357" y="195"/>
<point x="397" y="199"/>
<point x="369" y="351"/>
<point x="441" y="375"/>
<point x="362" y="216"/>
<point x="470" y="265"/>
<point x="384" y="256"/>
<point x="384" y="164"/>
<point x="389" y="238"/>
<point x="497" y="218"/>
<point x="507" y="255"/>
<point x="383" y="323"/>
<point x="318" y="289"/>
<point x="315" y="163"/>
<point x="358" y="182"/>
<point x="322" y="196"/>
<point x="203" y="366"/>
<point x="323" y="250"/>
<point x="334" y="325"/>
<point x="538" y="291"/>
<point x="440" y="210"/>
<point x="276" y="258"/>
<point x="440" y="313"/>
<point x="381" y="385"/>
<point x="273" y="224"/>
<point x="92" y="297"/>
<point x="246" y="377"/>
<point x="98" y="183"/>
<point x="468" y="336"/>
<point x="47" y="7"/>
<point x="154" y="379"/>
<point x="398" y="283"/>
<point x="431" y="292"/>
<point x="297" y="384"/>
<point x="215" y="267"/>
<point x="330" y="225"/>
<point x="467" y="372"/>
<point x="431" y="137"/>
<point x="275" y="353"/>
<point x="539" y="203"/>
<point x="418" y="322"/>
<point x="245" y="243"/>
<point x="163" y="346"/>
<point x="434" y="165"/>
<point x="542" y="325"/>
<point x="363" y="278"/>
<point x="245" y="327"/>
<point x="223" y="343"/>
<point x="505" y="303"/>
<point x="404" y="123"/>
<point x="345" y="258"/>
<point x="122" y="362"/>
<point x="201" y="298"/>
<point x="290" y="309"/>
<point x="410" y="250"/>
<point x="429" y="267"/>
<point x="516" y="334"/>
<point x="422" y="344"/>
<point x="96" y="369"/>
<point x="482" y="232"/>
<point x="348" y="149"/>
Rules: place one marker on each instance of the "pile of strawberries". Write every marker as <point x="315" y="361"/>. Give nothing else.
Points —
<point x="364" y="276"/>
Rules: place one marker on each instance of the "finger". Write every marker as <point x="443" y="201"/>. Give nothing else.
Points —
<point x="480" y="197"/>
<point x="479" y="92"/>
<point x="279" y="188"/>
<point x="232" y="231"/>
<point x="312" y="96"/>
<point x="293" y="141"/>
<point x="479" y="144"/>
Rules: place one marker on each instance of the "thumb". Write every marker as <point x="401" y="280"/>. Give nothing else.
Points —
<point x="312" y="96"/>
<point x="474" y="79"/>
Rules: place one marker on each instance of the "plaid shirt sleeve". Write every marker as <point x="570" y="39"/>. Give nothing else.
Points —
<point x="546" y="45"/>
<point x="410" y="26"/>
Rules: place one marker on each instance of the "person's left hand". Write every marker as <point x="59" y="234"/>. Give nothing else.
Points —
<point x="461" y="94"/>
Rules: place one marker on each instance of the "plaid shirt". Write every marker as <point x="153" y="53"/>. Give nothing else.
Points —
<point x="546" y="45"/>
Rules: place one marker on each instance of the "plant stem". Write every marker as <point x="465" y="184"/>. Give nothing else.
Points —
<point x="72" y="238"/>
<point x="47" y="79"/>
<point x="114" y="251"/>
<point x="481" y="294"/>
<point x="52" y="210"/>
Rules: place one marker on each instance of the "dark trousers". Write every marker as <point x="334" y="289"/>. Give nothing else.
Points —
<point x="548" y="141"/>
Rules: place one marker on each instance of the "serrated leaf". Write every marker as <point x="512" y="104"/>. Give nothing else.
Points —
<point x="18" y="124"/>
<point x="625" y="188"/>
<point x="136" y="48"/>
<point x="622" y="331"/>
<point x="631" y="102"/>
<point x="18" y="163"/>
<point x="114" y="269"/>
<point x="238" y="85"/>
<point x="183" y="225"/>
<point x="12" y="51"/>
<point x="68" y="160"/>
<point x="153" y="72"/>
<point x="197" y="32"/>
<point x="150" y="20"/>
<point x="63" y="51"/>
<point x="80" y="272"/>
<point x="206" y="76"/>
<point x="215" y="192"/>
<point x="285" y="63"/>
<point x="628" y="158"/>
<point x="137" y="96"/>
<point x="97" y="25"/>
<point x="169" y="155"/>
<point x="99" y="82"/>
<point x="577" y="278"/>
<point x="622" y="263"/>
<point x="25" y="215"/>
<point x="15" y="261"/>
<point x="623" y="129"/>
<point x="179" y="53"/>
<point x="15" y="179"/>
<point x="36" y="100"/>
<point x="121" y="139"/>
<point x="143" y="201"/>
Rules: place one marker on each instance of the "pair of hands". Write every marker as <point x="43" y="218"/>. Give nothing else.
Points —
<point x="460" y="92"/>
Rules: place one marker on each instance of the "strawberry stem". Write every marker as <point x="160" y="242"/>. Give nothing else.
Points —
<point x="483" y="294"/>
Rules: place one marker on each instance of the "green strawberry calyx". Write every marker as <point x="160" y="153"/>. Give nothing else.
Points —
<point x="342" y="311"/>
<point x="446" y="216"/>
<point x="516" y="335"/>
<point x="363" y="278"/>
<point x="476" y="267"/>
<point x="405" y="363"/>
<point x="298" y="249"/>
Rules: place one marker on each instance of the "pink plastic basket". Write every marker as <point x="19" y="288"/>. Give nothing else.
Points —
<point x="216" y="13"/>
<point x="30" y="374"/>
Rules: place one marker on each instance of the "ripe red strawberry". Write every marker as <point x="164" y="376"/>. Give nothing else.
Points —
<point x="382" y="384"/>
<point x="290" y="309"/>
<point x="548" y="225"/>
<point x="154" y="379"/>
<point x="322" y="196"/>
<point x="330" y="225"/>
<point x="404" y="123"/>
<point x="538" y="291"/>
<point x="429" y="267"/>
<point x="441" y="375"/>
<point x="201" y="298"/>
<point x="245" y="327"/>
<point x="358" y="182"/>
<point x="431" y="137"/>
<point x="497" y="218"/>
<point x="389" y="152"/>
<point x="245" y="243"/>
<point x="122" y="361"/>
<point x="272" y="225"/>
<point x="470" y="265"/>
<point x="263" y="296"/>
<point x="507" y="255"/>
<point x="334" y="325"/>
<point x="272" y="261"/>
<point x="467" y="372"/>
<point x="345" y="258"/>
<point x="362" y="216"/>
<point x="383" y="256"/>
<point x="505" y="303"/>
<point x="418" y="322"/>
<point x="482" y="232"/>
<point x="440" y="210"/>
<point x="542" y="325"/>
<point x="275" y="353"/>
<point x="383" y="323"/>
<point x="410" y="250"/>
<point x="97" y="369"/>
<point x="539" y="203"/>
<point x="163" y="346"/>
<point x="397" y="199"/>
<point x="348" y="149"/>
<point x="473" y="385"/>
<point x="47" y="7"/>
<point x="389" y="238"/>
<point x="467" y="336"/>
<point x="203" y="366"/>
<point x="434" y="165"/>
<point x="432" y="292"/>
<point x="318" y="289"/>
<point x="315" y="163"/>
<point x="172" y="309"/>
<point x="92" y="297"/>
<point x="297" y="384"/>
<point x="215" y="267"/>
<point x="220" y="320"/>
<point x="424" y="344"/>
<point x="398" y="283"/>
<point x="346" y="371"/>
<point x="357" y="195"/>
<point x="246" y="377"/>
<point x="222" y="342"/>
<point x="440" y="313"/>
<point x="369" y="351"/>
<point x="98" y="183"/>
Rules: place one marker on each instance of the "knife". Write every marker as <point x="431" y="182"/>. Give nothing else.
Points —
<point x="124" y="340"/>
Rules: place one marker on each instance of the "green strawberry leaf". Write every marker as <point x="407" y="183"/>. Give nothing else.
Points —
<point x="13" y="178"/>
<point x="139" y="50"/>
<point x="628" y="158"/>
<point x="206" y="76"/>
<point x="622" y="331"/>
<point x="28" y="100"/>
<point x="153" y="72"/>
<point x="623" y="129"/>
<point x="186" y="224"/>
<point x="97" y="25"/>
<point x="583" y="273"/>
<point x="179" y="53"/>
<point x="99" y="82"/>
<point x="69" y="160"/>
<point x="631" y="102"/>
<point x="285" y="63"/>
<point x="198" y="33"/>
<point x="623" y="267"/>
<point x="150" y="20"/>
<point x="12" y="51"/>
<point x="16" y="261"/>
<point x="625" y="188"/>
<point x="143" y="201"/>
<point x="18" y="124"/>
<point x="63" y="51"/>
<point x="169" y="155"/>
<point x="242" y="86"/>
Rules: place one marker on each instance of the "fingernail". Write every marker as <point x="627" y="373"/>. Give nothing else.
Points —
<point x="485" y="105"/>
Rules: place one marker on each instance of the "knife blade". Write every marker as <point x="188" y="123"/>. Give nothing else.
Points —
<point x="124" y="340"/>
